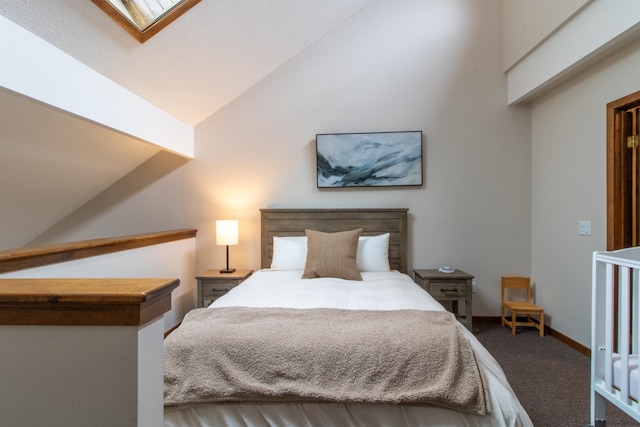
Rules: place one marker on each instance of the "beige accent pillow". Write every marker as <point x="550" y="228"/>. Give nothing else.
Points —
<point x="332" y="255"/>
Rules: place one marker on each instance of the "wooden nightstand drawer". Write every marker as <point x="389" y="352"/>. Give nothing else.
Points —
<point x="212" y="284"/>
<point x="216" y="288"/>
<point x="447" y="289"/>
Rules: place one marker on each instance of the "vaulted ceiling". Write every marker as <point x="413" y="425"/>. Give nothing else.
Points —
<point x="197" y="64"/>
<point x="52" y="163"/>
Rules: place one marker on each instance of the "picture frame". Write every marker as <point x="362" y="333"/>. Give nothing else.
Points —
<point x="370" y="159"/>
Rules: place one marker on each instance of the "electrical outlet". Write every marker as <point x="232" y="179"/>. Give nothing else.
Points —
<point x="474" y="287"/>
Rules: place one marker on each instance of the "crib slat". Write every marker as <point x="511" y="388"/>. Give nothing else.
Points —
<point x="608" y="362"/>
<point x="635" y="322"/>
<point x="634" y="389"/>
<point x="635" y="319"/>
<point x="624" y="290"/>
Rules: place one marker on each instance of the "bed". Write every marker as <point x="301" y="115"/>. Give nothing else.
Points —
<point x="355" y="351"/>
<point x="614" y="333"/>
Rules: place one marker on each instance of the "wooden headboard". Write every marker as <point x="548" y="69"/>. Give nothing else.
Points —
<point x="293" y="222"/>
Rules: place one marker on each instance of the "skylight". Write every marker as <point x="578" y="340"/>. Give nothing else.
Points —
<point x="144" y="18"/>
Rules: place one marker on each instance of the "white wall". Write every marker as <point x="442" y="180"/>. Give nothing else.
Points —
<point x="153" y="197"/>
<point x="82" y="375"/>
<point x="569" y="185"/>
<point x="397" y="65"/>
<point x="491" y="205"/>
<point x="410" y="65"/>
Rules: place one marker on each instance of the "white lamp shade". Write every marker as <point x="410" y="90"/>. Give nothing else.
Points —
<point x="227" y="232"/>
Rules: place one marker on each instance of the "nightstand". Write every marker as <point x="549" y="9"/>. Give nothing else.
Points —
<point x="212" y="284"/>
<point x="454" y="287"/>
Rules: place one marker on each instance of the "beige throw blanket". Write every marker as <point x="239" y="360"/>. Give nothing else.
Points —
<point x="269" y="354"/>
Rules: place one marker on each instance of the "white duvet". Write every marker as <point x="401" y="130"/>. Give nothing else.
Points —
<point x="378" y="291"/>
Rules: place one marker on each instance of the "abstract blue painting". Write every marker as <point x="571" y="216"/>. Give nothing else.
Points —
<point x="382" y="159"/>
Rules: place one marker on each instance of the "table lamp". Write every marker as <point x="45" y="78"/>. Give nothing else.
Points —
<point x="227" y="234"/>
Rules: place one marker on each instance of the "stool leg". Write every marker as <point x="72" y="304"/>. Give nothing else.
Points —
<point x="542" y="323"/>
<point x="513" y="323"/>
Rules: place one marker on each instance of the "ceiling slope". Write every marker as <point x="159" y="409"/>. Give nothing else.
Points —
<point x="52" y="163"/>
<point x="198" y="64"/>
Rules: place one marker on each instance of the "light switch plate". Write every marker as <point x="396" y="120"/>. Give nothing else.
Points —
<point x="584" y="228"/>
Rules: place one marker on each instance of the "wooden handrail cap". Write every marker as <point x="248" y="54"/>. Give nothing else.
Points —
<point x="84" y="301"/>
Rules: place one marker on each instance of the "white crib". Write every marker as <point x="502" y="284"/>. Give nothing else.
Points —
<point x="615" y="329"/>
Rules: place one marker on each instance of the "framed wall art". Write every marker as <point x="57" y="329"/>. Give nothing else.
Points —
<point x="373" y="159"/>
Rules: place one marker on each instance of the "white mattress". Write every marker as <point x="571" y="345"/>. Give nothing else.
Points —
<point x="378" y="291"/>
<point x="633" y="374"/>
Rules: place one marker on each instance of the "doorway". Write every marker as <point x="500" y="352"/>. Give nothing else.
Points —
<point x="623" y="172"/>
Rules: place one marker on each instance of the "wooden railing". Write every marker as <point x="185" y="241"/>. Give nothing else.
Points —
<point x="19" y="259"/>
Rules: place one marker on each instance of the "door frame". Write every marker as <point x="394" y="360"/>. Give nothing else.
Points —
<point x="617" y="185"/>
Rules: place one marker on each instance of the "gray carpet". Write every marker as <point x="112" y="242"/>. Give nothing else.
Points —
<point x="551" y="379"/>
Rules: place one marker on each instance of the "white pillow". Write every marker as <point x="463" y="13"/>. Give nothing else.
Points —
<point x="289" y="253"/>
<point x="373" y="253"/>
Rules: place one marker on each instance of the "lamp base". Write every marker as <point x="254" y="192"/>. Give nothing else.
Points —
<point x="227" y="270"/>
